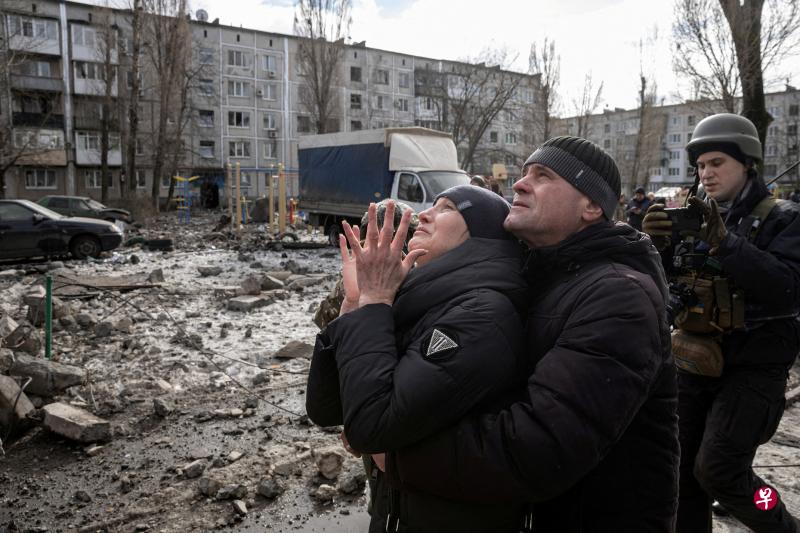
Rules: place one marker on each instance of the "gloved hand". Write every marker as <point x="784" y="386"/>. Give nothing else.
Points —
<point x="658" y="225"/>
<point x="713" y="230"/>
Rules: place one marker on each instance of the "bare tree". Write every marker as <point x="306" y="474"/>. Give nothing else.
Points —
<point x="725" y="47"/>
<point x="107" y="39"/>
<point x="587" y="103"/>
<point x="322" y="26"/>
<point x="133" y="97"/>
<point x="469" y="96"/>
<point x="647" y="148"/>
<point x="166" y="29"/>
<point x="704" y="52"/>
<point x="545" y="62"/>
<point x="757" y="48"/>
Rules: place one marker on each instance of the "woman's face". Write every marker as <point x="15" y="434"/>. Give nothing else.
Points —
<point x="441" y="229"/>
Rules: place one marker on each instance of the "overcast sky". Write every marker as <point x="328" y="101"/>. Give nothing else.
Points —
<point x="600" y="37"/>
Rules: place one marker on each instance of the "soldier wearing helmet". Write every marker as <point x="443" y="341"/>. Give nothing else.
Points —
<point x="737" y="277"/>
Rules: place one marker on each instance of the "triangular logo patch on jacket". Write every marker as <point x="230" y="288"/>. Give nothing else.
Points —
<point x="439" y="343"/>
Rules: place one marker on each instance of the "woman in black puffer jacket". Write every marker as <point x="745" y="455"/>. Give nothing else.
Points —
<point x="451" y="344"/>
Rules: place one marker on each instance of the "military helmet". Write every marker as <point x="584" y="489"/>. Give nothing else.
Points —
<point x="724" y="129"/>
<point x="399" y="209"/>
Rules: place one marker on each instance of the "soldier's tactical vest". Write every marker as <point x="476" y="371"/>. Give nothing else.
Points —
<point x="719" y="309"/>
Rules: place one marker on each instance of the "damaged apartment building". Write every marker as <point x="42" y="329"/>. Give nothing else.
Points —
<point x="242" y="103"/>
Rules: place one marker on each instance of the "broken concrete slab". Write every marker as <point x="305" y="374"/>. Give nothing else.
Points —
<point x="7" y="326"/>
<point x="245" y="304"/>
<point x="36" y="300"/>
<point x="324" y="493"/>
<point x="281" y="275"/>
<point x="239" y="507"/>
<point x="206" y="271"/>
<point x="294" y="350"/>
<point x="194" y="469"/>
<point x="7" y="360"/>
<point x="250" y="285"/>
<point x="209" y="486"/>
<point x="329" y="461"/>
<point x="268" y="283"/>
<point x="75" y="424"/>
<point x="301" y="282"/>
<point x="234" y="491"/>
<point x="14" y="404"/>
<point x="49" y="378"/>
<point x="270" y="488"/>
<point x="156" y="276"/>
<point x="25" y="338"/>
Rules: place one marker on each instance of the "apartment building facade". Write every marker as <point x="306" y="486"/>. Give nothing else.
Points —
<point x="671" y="127"/>
<point x="245" y="102"/>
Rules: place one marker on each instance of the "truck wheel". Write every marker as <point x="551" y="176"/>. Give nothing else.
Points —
<point x="84" y="246"/>
<point x="333" y="235"/>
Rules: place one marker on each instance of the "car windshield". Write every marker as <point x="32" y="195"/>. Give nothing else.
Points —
<point x="94" y="204"/>
<point x="41" y="210"/>
<point x="437" y="181"/>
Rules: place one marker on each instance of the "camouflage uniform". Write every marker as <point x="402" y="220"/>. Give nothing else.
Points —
<point x="328" y="309"/>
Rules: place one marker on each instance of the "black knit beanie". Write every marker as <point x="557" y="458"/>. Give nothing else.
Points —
<point x="727" y="148"/>
<point x="585" y="166"/>
<point x="483" y="210"/>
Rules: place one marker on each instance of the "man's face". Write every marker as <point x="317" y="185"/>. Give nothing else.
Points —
<point x="546" y="208"/>
<point x="441" y="229"/>
<point x="722" y="176"/>
<point x="639" y="196"/>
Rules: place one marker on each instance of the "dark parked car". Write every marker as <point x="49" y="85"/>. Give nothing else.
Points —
<point x="81" y="206"/>
<point x="30" y="230"/>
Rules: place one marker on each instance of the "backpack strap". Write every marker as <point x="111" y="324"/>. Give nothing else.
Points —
<point x="750" y="225"/>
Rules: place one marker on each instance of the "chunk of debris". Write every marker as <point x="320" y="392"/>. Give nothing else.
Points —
<point x="294" y="350"/>
<point x="269" y="283"/>
<point x="324" y="493"/>
<point x="14" y="404"/>
<point x="36" y="300"/>
<point x="7" y="360"/>
<point x="103" y="329"/>
<point x="25" y="338"/>
<point x="7" y="326"/>
<point x="239" y="507"/>
<point x="161" y="407"/>
<point x="209" y="486"/>
<point x="82" y="496"/>
<point x="156" y="276"/>
<point x="352" y="479"/>
<point x="194" y="469"/>
<point x="49" y="378"/>
<point x="246" y="304"/>
<point x="206" y="271"/>
<point x="270" y="488"/>
<point x="329" y="461"/>
<point x="233" y="491"/>
<point x="75" y="424"/>
<point x="250" y="286"/>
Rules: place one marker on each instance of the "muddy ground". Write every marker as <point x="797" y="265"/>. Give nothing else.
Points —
<point x="182" y="378"/>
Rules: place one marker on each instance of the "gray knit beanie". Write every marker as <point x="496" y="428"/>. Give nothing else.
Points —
<point x="585" y="166"/>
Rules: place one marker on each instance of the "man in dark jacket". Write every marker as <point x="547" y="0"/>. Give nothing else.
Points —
<point x="591" y="440"/>
<point x="637" y="207"/>
<point x="728" y="409"/>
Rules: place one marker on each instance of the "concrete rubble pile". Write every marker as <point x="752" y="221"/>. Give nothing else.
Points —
<point x="177" y="375"/>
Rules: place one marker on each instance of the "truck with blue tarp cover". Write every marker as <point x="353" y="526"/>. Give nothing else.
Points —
<point x="341" y="173"/>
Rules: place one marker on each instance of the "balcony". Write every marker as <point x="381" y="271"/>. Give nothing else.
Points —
<point x="38" y="120"/>
<point x="90" y="122"/>
<point x="92" y="157"/>
<point x="36" y="45"/>
<point x="94" y="87"/>
<point x="36" y="83"/>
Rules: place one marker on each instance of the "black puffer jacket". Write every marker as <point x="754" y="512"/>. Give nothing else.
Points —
<point x="769" y="272"/>
<point x="400" y="379"/>
<point x="594" y="441"/>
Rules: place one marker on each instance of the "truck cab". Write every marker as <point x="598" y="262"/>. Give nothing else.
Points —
<point x="341" y="173"/>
